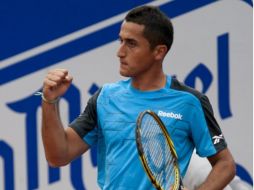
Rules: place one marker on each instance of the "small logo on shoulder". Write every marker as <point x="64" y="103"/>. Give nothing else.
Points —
<point x="170" y="115"/>
<point x="216" y="139"/>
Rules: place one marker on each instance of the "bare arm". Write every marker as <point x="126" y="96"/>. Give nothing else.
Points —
<point x="223" y="171"/>
<point x="61" y="145"/>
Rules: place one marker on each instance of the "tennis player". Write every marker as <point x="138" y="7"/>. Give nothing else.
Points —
<point x="109" y="119"/>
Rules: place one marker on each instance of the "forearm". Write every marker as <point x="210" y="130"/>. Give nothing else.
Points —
<point x="53" y="135"/>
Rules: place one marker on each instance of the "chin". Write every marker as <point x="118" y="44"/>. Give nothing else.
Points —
<point x="124" y="74"/>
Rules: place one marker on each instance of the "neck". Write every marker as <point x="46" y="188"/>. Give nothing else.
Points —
<point x="152" y="82"/>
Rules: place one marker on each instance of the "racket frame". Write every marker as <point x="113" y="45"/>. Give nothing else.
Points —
<point x="170" y="144"/>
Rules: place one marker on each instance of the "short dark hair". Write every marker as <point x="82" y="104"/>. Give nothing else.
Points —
<point x="158" y="27"/>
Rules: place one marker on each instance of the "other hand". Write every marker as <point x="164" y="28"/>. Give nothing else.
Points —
<point x="56" y="83"/>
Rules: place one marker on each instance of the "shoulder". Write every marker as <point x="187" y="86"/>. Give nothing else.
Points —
<point x="181" y="87"/>
<point x="191" y="95"/>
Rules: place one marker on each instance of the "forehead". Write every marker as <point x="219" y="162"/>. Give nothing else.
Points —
<point x="131" y="30"/>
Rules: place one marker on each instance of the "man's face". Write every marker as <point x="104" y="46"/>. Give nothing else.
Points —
<point x="135" y="54"/>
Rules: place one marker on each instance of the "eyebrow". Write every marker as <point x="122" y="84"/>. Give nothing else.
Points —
<point x="128" y="39"/>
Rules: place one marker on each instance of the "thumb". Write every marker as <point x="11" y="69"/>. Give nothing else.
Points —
<point x="68" y="79"/>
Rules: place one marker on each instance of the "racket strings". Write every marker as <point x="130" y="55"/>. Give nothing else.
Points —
<point x="157" y="152"/>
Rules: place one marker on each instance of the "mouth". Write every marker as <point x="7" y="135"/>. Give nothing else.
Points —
<point x="122" y="63"/>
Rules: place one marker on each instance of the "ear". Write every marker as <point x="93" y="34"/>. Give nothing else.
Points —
<point x="160" y="52"/>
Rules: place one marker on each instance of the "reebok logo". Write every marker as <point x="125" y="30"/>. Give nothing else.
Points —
<point x="170" y="115"/>
<point x="217" y="139"/>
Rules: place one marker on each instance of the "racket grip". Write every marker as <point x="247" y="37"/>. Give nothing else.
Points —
<point x="181" y="187"/>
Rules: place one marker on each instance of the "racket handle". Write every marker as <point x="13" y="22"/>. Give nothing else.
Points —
<point x="181" y="187"/>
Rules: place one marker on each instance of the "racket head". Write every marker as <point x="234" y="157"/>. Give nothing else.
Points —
<point x="156" y="152"/>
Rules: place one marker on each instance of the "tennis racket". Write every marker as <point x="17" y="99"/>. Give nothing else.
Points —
<point x="157" y="153"/>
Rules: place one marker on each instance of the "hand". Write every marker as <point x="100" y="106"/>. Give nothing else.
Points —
<point x="56" y="83"/>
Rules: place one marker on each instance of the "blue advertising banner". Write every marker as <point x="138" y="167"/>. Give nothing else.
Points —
<point x="212" y="52"/>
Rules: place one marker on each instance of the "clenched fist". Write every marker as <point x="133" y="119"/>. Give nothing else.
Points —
<point x="56" y="83"/>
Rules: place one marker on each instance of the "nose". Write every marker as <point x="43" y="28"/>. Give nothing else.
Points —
<point x="121" y="51"/>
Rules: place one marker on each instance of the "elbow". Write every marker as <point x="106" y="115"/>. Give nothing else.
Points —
<point x="56" y="162"/>
<point x="232" y="168"/>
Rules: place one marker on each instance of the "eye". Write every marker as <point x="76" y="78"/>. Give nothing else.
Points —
<point x="131" y="43"/>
